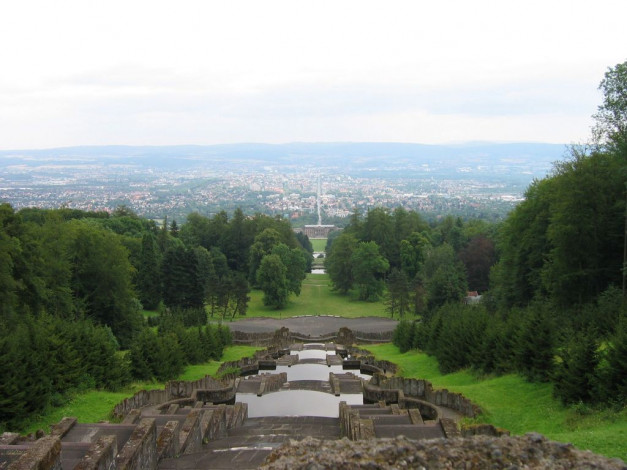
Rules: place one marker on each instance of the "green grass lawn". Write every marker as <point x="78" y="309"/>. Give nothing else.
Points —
<point x="519" y="406"/>
<point x="316" y="298"/>
<point x="319" y="244"/>
<point x="96" y="405"/>
<point x="150" y="313"/>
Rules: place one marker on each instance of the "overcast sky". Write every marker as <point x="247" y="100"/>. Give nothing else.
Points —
<point x="90" y="72"/>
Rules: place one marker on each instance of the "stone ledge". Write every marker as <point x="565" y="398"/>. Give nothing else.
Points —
<point x="44" y="454"/>
<point x="101" y="455"/>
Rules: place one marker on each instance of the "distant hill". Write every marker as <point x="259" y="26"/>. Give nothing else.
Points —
<point x="342" y="154"/>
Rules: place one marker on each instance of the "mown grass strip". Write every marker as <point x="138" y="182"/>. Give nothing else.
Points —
<point x="316" y="298"/>
<point x="512" y="403"/>
<point x="318" y="244"/>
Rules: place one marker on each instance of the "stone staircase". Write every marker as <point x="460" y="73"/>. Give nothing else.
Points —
<point x="247" y="446"/>
<point x="381" y="420"/>
<point x="143" y="439"/>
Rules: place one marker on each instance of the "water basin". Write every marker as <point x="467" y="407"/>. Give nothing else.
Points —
<point x="314" y="372"/>
<point x="311" y="354"/>
<point x="297" y="403"/>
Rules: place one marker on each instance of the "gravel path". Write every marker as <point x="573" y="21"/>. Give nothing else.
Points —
<point x="314" y="325"/>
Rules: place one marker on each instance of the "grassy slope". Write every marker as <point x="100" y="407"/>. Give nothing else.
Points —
<point x="316" y="298"/>
<point x="514" y="404"/>
<point x="318" y="244"/>
<point x="96" y="405"/>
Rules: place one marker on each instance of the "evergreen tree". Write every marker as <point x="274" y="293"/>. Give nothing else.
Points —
<point x="149" y="274"/>
<point x="101" y="281"/>
<point x="445" y="277"/>
<point x="575" y="375"/>
<point x="174" y="229"/>
<point x="534" y="343"/>
<point x="398" y="293"/>
<point x="615" y="381"/>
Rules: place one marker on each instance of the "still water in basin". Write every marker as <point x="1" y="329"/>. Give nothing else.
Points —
<point x="297" y="403"/>
<point x="311" y="354"/>
<point x="314" y="372"/>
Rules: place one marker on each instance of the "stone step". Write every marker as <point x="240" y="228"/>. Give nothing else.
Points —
<point x="388" y="419"/>
<point x="11" y="453"/>
<point x="89" y="433"/>
<point x="366" y="406"/>
<point x="247" y="447"/>
<point x="250" y="441"/>
<point x="411" y="431"/>
<point x="373" y="412"/>
<point x="72" y="453"/>
<point x="288" y="427"/>
<point x="292" y="420"/>
<point x="241" y="459"/>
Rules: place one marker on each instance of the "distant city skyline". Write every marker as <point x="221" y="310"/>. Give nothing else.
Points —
<point x="197" y="72"/>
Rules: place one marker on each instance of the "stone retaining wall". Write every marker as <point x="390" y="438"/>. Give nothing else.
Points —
<point x="371" y="364"/>
<point x="387" y="388"/>
<point x="175" y="389"/>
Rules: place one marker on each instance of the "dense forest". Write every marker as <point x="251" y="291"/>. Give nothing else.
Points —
<point x="74" y="286"/>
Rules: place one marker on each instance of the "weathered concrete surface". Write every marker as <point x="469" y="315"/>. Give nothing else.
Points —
<point x="190" y="437"/>
<point x="101" y="455"/>
<point x="168" y="443"/>
<point x="45" y="454"/>
<point x="63" y="427"/>
<point x="9" y="438"/>
<point x="476" y="453"/>
<point x="247" y="447"/>
<point x="140" y="451"/>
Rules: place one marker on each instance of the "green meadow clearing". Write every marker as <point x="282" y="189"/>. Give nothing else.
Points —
<point x="316" y="298"/>
<point x="519" y="406"/>
<point x="318" y="244"/>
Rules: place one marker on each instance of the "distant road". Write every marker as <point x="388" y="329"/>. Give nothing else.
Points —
<point x="314" y="325"/>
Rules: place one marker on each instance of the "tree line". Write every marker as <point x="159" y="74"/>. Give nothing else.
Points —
<point x="555" y="309"/>
<point x="414" y="265"/>
<point x="74" y="285"/>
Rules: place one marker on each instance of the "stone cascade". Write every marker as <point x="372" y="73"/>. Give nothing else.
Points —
<point x="193" y="425"/>
<point x="261" y="384"/>
<point x="247" y="447"/>
<point x="140" y="442"/>
<point x="379" y="420"/>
